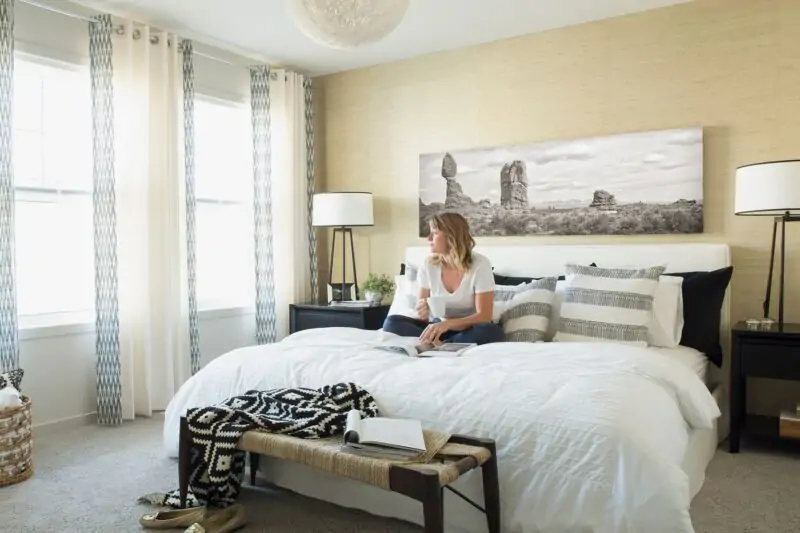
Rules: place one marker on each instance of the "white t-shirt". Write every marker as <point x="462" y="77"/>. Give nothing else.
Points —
<point x="461" y="302"/>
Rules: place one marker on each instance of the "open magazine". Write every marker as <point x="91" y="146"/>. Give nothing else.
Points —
<point x="381" y="436"/>
<point x="448" y="349"/>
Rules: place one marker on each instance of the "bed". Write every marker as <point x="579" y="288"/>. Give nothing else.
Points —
<point x="592" y="437"/>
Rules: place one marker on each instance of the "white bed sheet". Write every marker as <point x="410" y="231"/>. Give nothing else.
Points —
<point x="591" y="437"/>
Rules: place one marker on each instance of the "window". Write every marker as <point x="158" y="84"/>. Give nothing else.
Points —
<point x="224" y="194"/>
<point x="52" y="136"/>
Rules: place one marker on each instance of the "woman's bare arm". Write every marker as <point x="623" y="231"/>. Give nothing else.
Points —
<point x="484" y="307"/>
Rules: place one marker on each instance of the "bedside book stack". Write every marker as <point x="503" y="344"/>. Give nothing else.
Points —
<point x="393" y="438"/>
<point x="353" y="303"/>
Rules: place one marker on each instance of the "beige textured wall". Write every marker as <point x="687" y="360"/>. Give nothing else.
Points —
<point x="731" y="66"/>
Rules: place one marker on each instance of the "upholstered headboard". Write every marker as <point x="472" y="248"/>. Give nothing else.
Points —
<point x="549" y="259"/>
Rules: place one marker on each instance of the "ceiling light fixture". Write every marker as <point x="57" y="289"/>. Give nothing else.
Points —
<point x="347" y="23"/>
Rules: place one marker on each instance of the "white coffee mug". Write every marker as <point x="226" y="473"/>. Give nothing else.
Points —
<point x="436" y="306"/>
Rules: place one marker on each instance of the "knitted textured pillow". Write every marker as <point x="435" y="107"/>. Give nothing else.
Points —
<point x="607" y="304"/>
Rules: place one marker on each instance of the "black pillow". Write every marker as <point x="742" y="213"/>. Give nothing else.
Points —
<point x="500" y="279"/>
<point x="703" y="293"/>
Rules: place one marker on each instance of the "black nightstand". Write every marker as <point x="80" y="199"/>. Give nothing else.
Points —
<point x="765" y="354"/>
<point x="322" y="315"/>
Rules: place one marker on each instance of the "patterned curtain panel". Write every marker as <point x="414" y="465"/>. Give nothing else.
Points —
<point x="109" y="395"/>
<point x="262" y="198"/>
<point x="9" y="337"/>
<point x="191" y="205"/>
<point x="310" y="183"/>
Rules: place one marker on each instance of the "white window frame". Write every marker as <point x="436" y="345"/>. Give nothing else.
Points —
<point x="43" y="325"/>
<point x="221" y="308"/>
<point x="47" y="325"/>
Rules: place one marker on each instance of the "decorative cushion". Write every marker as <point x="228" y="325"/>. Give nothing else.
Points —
<point x="524" y="311"/>
<point x="607" y="304"/>
<point x="404" y="301"/>
<point x="555" y="312"/>
<point x="666" y="324"/>
<point x="13" y="378"/>
<point x="410" y="271"/>
<point x="703" y="294"/>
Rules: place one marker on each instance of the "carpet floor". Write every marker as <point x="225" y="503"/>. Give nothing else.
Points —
<point x="88" y="478"/>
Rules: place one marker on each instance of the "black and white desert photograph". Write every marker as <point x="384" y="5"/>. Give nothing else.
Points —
<point x="634" y="183"/>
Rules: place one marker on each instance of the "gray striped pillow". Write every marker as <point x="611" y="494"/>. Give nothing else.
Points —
<point x="524" y="311"/>
<point x="607" y="304"/>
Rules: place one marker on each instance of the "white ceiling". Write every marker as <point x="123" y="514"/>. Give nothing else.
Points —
<point x="263" y="29"/>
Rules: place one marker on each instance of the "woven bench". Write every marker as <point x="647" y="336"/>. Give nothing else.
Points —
<point x="423" y="479"/>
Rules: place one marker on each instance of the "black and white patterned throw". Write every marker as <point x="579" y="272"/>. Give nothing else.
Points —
<point x="217" y="467"/>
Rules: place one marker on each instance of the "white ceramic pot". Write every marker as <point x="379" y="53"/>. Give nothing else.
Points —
<point x="374" y="297"/>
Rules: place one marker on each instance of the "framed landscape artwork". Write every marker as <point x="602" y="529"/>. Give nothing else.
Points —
<point x="628" y="184"/>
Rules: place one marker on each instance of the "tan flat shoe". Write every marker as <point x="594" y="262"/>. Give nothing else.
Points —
<point x="225" y="521"/>
<point x="173" y="519"/>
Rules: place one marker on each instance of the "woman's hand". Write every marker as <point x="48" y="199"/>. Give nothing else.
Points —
<point x="422" y="309"/>
<point x="434" y="331"/>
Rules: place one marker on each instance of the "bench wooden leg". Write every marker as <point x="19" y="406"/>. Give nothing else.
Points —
<point x="491" y="483"/>
<point x="491" y="490"/>
<point x="255" y="459"/>
<point x="433" y="504"/>
<point x="184" y="460"/>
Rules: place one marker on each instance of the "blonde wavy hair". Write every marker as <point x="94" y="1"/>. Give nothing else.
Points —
<point x="459" y="240"/>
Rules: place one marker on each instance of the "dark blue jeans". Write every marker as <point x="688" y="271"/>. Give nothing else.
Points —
<point x="483" y="333"/>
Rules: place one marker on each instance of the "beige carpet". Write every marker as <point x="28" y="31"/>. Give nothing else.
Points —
<point x="87" y="480"/>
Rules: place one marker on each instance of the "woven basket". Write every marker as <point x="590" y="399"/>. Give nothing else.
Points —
<point x="15" y="443"/>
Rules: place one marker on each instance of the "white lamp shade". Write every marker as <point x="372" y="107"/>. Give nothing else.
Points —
<point x="342" y="209"/>
<point x="770" y="189"/>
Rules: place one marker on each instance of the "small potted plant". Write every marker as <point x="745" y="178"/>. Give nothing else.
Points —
<point x="377" y="287"/>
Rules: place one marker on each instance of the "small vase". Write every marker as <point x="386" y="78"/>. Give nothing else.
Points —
<point x="374" y="297"/>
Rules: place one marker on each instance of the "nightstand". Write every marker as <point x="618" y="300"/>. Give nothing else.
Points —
<point x="765" y="354"/>
<point x="322" y="315"/>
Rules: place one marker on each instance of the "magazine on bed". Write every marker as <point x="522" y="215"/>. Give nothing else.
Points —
<point x="449" y="349"/>
<point x="381" y="436"/>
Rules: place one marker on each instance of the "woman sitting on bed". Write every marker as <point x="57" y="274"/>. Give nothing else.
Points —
<point x="458" y="281"/>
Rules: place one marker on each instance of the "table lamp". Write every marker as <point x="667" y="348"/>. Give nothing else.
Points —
<point x="342" y="211"/>
<point x="771" y="189"/>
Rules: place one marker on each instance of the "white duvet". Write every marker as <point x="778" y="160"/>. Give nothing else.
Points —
<point x="590" y="436"/>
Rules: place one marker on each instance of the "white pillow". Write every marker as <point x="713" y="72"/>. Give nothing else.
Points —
<point x="404" y="301"/>
<point x="607" y="304"/>
<point x="666" y="325"/>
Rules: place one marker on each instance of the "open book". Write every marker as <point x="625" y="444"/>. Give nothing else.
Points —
<point x="449" y="349"/>
<point x="380" y="436"/>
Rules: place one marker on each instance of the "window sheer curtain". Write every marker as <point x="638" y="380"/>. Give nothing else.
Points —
<point x="295" y="258"/>
<point x="143" y="117"/>
<point x="144" y="329"/>
<point x="9" y="337"/>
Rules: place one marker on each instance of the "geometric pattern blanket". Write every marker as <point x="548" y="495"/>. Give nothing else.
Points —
<point x="217" y="467"/>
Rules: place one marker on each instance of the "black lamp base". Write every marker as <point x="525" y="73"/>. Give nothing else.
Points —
<point x="783" y="219"/>
<point x="343" y="289"/>
<point x="335" y="293"/>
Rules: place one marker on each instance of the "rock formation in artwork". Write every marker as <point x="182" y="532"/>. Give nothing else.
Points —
<point x="603" y="200"/>
<point x="449" y="167"/>
<point x="683" y="203"/>
<point x="514" y="185"/>
<point x="455" y="197"/>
